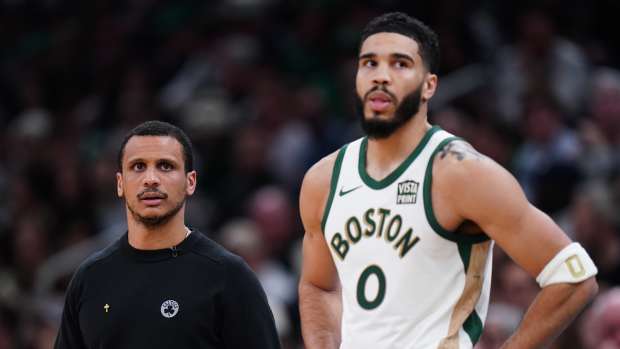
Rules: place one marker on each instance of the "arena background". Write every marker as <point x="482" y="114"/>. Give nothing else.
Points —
<point x="264" y="89"/>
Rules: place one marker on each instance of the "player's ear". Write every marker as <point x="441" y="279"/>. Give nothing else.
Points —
<point x="191" y="178"/>
<point x="119" y="184"/>
<point x="429" y="87"/>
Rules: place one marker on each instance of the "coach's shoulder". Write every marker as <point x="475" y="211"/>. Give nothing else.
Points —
<point x="206" y="247"/>
<point x="82" y="272"/>
<point x="99" y="257"/>
<point x="232" y="267"/>
<point x="217" y="255"/>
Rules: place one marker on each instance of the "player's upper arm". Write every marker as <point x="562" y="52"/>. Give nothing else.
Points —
<point x="480" y="190"/>
<point x="318" y="267"/>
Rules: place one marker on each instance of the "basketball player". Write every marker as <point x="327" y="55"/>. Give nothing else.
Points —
<point x="162" y="284"/>
<point x="400" y="224"/>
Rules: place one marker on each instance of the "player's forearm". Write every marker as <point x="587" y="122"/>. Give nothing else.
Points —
<point x="320" y="313"/>
<point x="552" y="310"/>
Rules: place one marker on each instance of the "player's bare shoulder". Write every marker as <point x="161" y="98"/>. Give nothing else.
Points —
<point x="457" y="152"/>
<point x="318" y="177"/>
<point x="315" y="190"/>
<point x="470" y="180"/>
<point x="458" y="163"/>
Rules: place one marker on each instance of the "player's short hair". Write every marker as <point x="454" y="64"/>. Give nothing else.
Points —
<point x="160" y="128"/>
<point x="401" y="23"/>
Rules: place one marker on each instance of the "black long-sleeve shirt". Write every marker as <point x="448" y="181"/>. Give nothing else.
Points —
<point x="196" y="295"/>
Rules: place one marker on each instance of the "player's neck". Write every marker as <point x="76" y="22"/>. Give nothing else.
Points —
<point x="385" y="155"/>
<point x="169" y="234"/>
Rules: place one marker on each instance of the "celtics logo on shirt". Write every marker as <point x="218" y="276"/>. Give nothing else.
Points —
<point x="169" y="308"/>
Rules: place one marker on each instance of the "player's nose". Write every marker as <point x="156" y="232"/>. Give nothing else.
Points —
<point x="381" y="75"/>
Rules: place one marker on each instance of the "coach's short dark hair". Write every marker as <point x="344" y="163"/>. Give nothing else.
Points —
<point x="401" y="23"/>
<point x="160" y="128"/>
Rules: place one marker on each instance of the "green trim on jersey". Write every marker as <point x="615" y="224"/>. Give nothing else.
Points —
<point x="333" y="184"/>
<point x="473" y="324"/>
<point x="374" y="184"/>
<point x="428" y="204"/>
<point x="473" y="327"/>
<point x="465" y="253"/>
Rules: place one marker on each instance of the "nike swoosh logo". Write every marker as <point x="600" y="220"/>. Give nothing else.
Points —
<point x="345" y="192"/>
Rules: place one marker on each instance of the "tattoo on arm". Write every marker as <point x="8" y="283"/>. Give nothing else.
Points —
<point x="460" y="151"/>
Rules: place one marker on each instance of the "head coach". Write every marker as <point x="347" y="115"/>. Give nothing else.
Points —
<point x="163" y="285"/>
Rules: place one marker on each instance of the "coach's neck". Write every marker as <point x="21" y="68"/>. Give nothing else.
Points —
<point x="166" y="235"/>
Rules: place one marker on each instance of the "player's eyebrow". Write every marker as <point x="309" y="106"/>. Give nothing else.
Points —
<point x="162" y="158"/>
<point x="134" y="160"/>
<point x="403" y="56"/>
<point x="367" y="55"/>
<point x="396" y="55"/>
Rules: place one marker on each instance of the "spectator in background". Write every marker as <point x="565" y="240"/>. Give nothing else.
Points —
<point x="600" y="327"/>
<point x="546" y="163"/>
<point x="273" y="212"/>
<point x="8" y="324"/>
<point x="517" y="288"/>
<point x="502" y="320"/>
<point x="246" y="171"/>
<point x="605" y="103"/>
<point x="30" y="247"/>
<point x="592" y="219"/>
<point x="539" y="61"/>
<point x="600" y="130"/>
<point x="483" y="135"/>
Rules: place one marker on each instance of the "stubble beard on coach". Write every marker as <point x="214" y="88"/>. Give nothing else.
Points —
<point x="155" y="221"/>
<point x="378" y="129"/>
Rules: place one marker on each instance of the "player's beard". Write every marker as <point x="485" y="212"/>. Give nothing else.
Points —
<point x="377" y="128"/>
<point x="155" y="221"/>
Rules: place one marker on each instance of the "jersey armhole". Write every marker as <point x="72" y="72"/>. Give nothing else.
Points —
<point x="428" y="204"/>
<point x="333" y="185"/>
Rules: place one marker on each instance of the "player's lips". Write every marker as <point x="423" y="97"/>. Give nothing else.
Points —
<point x="379" y="101"/>
<point x="152" y="198"/>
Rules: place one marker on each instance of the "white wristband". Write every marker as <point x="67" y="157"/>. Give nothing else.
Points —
<point x="571" y="265"/>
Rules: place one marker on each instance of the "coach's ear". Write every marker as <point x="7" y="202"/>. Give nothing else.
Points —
<point x="119" y="184"/>
<point x="191" y="183"/>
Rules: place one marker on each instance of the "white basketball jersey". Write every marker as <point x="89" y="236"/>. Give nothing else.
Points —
<point x="406" y="281"/>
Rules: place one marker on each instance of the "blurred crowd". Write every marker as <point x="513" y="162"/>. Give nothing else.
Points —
<point x="265" y="88"/>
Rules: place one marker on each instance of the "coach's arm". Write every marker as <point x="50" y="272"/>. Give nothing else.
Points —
<point x="320" y="305"/>
<point x="470" y="187"/>
<point x="69" y="333"/>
